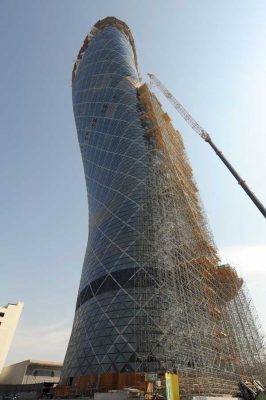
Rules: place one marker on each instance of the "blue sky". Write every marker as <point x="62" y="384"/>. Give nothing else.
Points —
<point x="210" y="54"/>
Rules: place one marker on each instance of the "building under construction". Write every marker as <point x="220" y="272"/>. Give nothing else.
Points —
<point x="153" y="296"/>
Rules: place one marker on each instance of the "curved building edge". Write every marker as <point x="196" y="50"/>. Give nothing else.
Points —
<point x="99" y="26"/>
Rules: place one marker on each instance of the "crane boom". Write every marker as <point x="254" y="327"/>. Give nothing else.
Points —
<point x="206" y="137"/>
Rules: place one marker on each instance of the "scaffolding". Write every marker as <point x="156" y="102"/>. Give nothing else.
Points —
<point x="170" y="306"/>
<point x="194" y="316"/>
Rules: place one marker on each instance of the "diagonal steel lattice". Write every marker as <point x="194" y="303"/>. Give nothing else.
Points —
<point x="151" y="295"/>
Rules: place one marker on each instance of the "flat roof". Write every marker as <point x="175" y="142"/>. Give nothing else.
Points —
<point x="43" y="363"/>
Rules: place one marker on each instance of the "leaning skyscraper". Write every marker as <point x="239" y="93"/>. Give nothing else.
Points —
<point x="152" y="295"/>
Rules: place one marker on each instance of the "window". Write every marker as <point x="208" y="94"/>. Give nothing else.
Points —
<point x="2" y="314"/>
<point x="104" y="108"/>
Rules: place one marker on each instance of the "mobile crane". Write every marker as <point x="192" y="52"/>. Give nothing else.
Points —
<point x="206" y="137"/>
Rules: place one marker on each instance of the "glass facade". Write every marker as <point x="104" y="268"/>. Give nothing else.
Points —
<point x="151" y="295"/>
<point x="115" y="158"/>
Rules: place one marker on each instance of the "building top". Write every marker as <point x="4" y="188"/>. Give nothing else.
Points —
<point x="9" y="317"/>
<point x="39" y="362"/>
<point x="18" y="304"/>
<point x="99" y="26"/>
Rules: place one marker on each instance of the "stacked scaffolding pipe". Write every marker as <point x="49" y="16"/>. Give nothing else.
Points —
<point x="214" y="341"/>
<point x="152" y="297"/>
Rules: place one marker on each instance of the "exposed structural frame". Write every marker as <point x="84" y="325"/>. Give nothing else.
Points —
<point x="152" y="295"/>
<point x="205" y="136"/>
<point x="217" y="339"/>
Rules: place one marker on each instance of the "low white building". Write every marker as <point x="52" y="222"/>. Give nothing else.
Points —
<point x="31" y="372"/>
<point x="9" y="317"/>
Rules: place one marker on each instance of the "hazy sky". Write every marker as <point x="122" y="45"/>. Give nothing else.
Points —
<point x="211" y="54"/>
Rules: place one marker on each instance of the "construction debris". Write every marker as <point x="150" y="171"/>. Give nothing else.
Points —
<point x="253" y="390"/>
